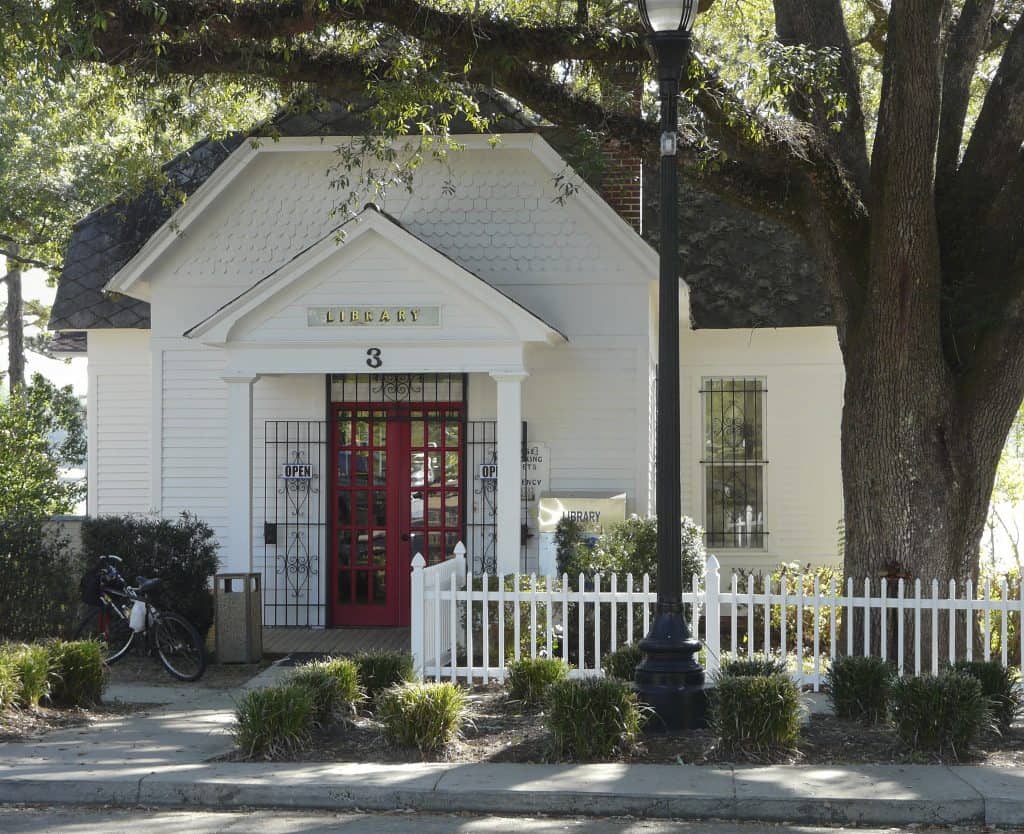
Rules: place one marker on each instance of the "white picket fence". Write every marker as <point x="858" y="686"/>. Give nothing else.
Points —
<point x="464" y="626"/>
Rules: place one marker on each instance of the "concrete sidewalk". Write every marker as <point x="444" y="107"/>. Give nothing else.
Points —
<point x="161" y="758"/>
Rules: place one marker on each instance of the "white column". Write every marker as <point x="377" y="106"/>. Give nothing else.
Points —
<point x="510" y="456"/>
<point x="238" y="557"/>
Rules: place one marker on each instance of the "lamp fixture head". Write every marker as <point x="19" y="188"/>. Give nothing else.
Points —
<point x="668" y="15"/>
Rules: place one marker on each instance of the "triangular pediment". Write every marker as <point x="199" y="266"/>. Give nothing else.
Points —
<point x="371" y="278"/>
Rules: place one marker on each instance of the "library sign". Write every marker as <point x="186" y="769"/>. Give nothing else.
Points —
<point x="373" y="316"/>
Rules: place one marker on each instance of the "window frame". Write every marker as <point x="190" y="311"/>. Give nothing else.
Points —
<point x="705" y="390"/>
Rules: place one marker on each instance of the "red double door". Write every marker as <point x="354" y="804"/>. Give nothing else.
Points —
<point x="397" y="491"/>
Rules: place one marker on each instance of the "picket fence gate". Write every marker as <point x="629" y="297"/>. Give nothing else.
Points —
<point x="464" y="625"/>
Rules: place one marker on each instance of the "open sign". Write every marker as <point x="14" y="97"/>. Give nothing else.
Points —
<point x="488" y="471"/>
<point x="297" y="471"/>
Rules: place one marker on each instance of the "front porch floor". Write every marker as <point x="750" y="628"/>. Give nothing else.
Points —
<point x="279" y="641"/>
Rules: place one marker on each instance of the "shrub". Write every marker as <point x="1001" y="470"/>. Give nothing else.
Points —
<point x="275" y="721"/>
<point x="530" y="679"/>
<point x="426" y="716"/>
<point x="940" y="714"/>
<point x="39" y="576"/>
<point x="758" y="665"/>
<point x="999" y="685"/>
<point x="334" y="685"/>
<point x="572" y="550"/>
<point x="31" y="665"/>
<point x="183" y="553"/>
<point x="621" y="664"/>
<point x="78" y="674"/>
<point x="859" y="688"/>
<point x="378" y="671"/>
<point x="8" y="682"/>
<point x="592" y="718"/>
<point x="756" y="714"/>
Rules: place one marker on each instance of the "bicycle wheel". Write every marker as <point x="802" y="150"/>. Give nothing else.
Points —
<point x="180" y="647"/>
<point x="109" y="629"/>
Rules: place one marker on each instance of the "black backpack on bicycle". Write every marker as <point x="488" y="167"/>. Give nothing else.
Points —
<point x="89" y="587"/>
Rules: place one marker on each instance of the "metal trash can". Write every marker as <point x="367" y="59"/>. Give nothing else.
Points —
<point x="239" y="618"/>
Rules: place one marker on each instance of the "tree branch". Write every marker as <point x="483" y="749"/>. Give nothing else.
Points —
<point x="967" y="40"/>
<point x="998" y="133"/>
<point x="268" y="20"/>
<point x="820" y="25"/>
<point x="12" y="255"/>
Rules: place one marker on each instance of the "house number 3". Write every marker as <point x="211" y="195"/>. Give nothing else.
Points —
<point x="373" y="359"/>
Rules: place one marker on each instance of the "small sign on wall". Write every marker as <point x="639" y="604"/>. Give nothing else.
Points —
<point x="297" y="471"/>
<point x="488" y="472"/>
<point x="373" y="316"/>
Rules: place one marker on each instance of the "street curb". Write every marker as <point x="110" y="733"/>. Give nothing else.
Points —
<point x="878" y="795"/>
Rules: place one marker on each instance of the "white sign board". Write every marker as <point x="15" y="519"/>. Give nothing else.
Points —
<point x="297" y="471"/>
<point x="488" y="472"/>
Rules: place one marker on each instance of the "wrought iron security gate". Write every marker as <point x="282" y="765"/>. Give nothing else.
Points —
<point x="294" y="528"/>
<point x="298" y="486"/>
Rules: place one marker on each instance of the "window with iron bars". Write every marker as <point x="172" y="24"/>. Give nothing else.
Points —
<point x="734" y="461"/>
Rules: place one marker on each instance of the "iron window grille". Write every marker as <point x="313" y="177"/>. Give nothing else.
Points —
<point x="734" y="461"/>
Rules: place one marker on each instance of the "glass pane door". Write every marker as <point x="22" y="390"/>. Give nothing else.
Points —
<point x="435" y="481"/>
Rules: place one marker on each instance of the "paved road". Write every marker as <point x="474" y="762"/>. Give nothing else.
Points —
<point x="101" y="821"/>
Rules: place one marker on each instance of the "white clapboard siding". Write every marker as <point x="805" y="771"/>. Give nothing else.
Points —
<point x="194" y="443"/>
<point x="122" y="428"/>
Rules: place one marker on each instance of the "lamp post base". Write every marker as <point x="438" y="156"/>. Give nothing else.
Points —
<point x="669" y="679"/>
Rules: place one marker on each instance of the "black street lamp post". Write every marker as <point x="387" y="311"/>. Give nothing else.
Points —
<point x="669" y="678"/>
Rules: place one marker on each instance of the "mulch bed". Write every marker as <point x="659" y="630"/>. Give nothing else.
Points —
<point x="500" y="731"/>
<point x="20" y="725"/>
<point x="149" y="670"/>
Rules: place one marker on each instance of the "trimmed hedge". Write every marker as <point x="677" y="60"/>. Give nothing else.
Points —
<point x="39" y="578"/>
<point x="183" y="553"/>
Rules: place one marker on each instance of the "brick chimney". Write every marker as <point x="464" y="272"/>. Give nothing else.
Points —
<point x="622" y="176"/>
<point x="622" y="182"/>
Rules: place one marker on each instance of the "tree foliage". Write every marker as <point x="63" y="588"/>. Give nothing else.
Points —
<point x="886" y="133"/>
<point x="42" y="434"/>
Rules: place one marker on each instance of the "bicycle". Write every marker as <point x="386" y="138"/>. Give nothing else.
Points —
<point x="122" y="616"/>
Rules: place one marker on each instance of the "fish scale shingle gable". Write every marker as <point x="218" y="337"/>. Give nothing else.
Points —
<point x="742" y="271"/>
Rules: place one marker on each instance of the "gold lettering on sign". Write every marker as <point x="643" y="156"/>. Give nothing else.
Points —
<point x="373" y="315"/>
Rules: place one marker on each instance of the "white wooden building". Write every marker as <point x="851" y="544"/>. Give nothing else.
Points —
<point x="334" y="398"/>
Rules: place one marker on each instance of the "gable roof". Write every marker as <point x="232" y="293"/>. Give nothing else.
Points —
<point x="742" y="271"/>
<point x="108" y="238"/>
<point x="370" y="219"/>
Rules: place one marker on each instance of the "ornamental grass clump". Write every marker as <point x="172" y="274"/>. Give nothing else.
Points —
<point x="274" y="722"/>
<point x="944" y="714"/>
<point x="427" y="716"/>
<point x="758" y="665"/>
<point x="592" y="718"/>
<point x="858" y="688"/>
<point x="530" y="679"/>
<point x="334" y="685"/>
<point x="78" y="674"/>
<point x="1000" y="685"/>
<point x="31" y="664"/>
<point x="621" y="664"/>
<point x="381" y="670"/>
<point x="756" y="715"/>
<point x="8" y="682"/>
